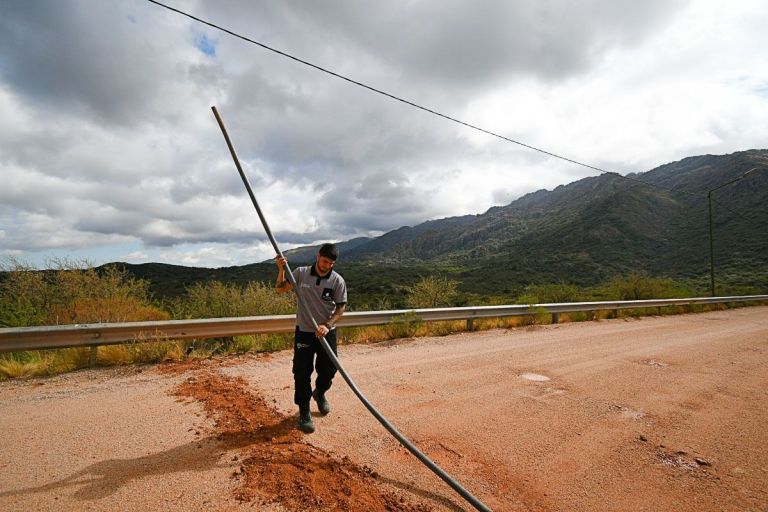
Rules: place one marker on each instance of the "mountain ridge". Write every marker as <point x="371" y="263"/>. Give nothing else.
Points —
<point x="583" y="232"/>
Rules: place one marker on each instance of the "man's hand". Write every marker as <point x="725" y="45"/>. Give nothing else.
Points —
<point x="322" y="330"/>
<point x="281" y="285"/>
<point x="325" y="328"/>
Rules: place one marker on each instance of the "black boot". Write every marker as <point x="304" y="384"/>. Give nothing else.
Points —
<point x="305" y="420"/>
<point x="322" y="404"/>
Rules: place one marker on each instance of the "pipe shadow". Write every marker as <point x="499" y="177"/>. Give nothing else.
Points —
<point x="427" y="495"/>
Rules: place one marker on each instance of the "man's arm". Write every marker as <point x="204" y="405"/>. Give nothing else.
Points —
<point x="336" y="316"/>
<point x="282" y="285"/>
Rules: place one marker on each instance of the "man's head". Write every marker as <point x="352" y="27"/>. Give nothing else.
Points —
<point x="326" y="257"/>
<point x="330" y="251"/>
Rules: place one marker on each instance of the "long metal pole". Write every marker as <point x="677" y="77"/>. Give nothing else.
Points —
<point x="326" y="347"/>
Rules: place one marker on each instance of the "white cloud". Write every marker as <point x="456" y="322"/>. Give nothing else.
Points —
<point x="135" y="257"/>
<point x="108" y="146"/>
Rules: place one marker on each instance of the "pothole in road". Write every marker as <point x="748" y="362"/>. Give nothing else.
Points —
<point x="631" y="413"/>
<point x="681" y="460"/>
<point x="653" y="362"/>
<point x="628" y="412"/>
<point x="535" y="377"/>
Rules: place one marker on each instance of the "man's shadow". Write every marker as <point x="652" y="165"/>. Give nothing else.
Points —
<point x="104" y="478"/>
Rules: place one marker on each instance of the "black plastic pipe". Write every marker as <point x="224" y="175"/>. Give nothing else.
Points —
<point x="479" y="505"/>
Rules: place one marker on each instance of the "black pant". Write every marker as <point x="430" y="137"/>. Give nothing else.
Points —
<point x="305" y="347"/>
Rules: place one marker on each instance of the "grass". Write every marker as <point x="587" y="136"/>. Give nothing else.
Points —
<point x="77" y="293"/>
<point x="13" y="369"/>
<point x="42" y="363"/>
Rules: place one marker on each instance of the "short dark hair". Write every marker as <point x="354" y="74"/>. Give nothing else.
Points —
<point x="329" y="251"/>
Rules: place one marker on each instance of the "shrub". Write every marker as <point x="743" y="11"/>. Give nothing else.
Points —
<point x="141" y="352"/>
<point x="404" y="326"/>
<point x="72" y="293"/>
<point x="574" y="316"/>
<point x="432" y="292"/>
<point x="641" y="286"/>
<point x="24" y="296"/>
<point x="260" y="343"/>
<point x="549" y="293"/>
<point x="445" y="328"/>
<point x="215" y="299"/>
<point x="537" y="315"/>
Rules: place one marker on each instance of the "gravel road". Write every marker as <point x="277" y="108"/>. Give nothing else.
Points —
<point x="654" y="414"/>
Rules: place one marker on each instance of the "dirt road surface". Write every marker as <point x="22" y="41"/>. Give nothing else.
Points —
<point x="654" y="414"/>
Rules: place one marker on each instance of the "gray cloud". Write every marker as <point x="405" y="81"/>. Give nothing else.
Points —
<point x="106" y="135"/>
<point x="460" y="45"/>
<point x="66" y="55"/>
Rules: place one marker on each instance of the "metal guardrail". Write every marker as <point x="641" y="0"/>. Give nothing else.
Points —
<point x="93" y="335"/>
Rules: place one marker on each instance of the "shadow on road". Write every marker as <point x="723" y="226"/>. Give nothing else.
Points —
<point x="104" y="478"/>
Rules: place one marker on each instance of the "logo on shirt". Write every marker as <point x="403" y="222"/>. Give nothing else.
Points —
<point x="327" y="294"/>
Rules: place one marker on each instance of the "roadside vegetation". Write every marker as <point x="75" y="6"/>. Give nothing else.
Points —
<point x="77" y="293"/>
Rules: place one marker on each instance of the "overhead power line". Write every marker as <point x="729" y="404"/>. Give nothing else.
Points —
<point x="416" y="105"/>
<point x="743" y="216"/>
<point x="374" y="89"/>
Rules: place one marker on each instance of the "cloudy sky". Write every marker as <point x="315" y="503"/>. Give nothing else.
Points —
<point x="109" y="150"/>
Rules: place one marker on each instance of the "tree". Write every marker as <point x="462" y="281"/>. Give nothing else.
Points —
<point x="432" y="292"/>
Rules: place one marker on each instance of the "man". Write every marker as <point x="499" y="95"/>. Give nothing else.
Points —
<point x="324" y="293"/>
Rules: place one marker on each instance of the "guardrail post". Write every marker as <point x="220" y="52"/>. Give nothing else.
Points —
<point x="470" y="324"/>
<point x="94" y="356"/>
<point x="555" y="318"/>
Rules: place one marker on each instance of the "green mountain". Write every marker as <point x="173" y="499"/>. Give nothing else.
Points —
<point x="597" y="227"/>
<point x="307" y="254"/>
<point x="582" y="233"/>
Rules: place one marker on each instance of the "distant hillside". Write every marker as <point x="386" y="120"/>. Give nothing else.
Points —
<point x="302" y="255"/>
<point x="583" y="233"/>
<point x="596" y="227"/>
<point x="168" y="281"/>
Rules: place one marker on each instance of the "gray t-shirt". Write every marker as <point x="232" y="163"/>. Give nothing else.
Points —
<point x="320" y="294"/>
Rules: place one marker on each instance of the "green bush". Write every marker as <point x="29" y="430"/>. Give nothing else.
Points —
<point x="432" y="292"/>
<point x="72" y="293"/>
<point x="215" y="299"/>
<point x="537" y="315"/>
<point x="404" y="326"/>
<point x="550" y="293"/>
<point x="641" y="286"/>
<point x="578" y="316"/>
<point x="261" y="343"/>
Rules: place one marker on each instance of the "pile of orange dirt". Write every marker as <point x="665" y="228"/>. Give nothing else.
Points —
<point x="277" y="465"/>
<point x="194" y="363"/>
